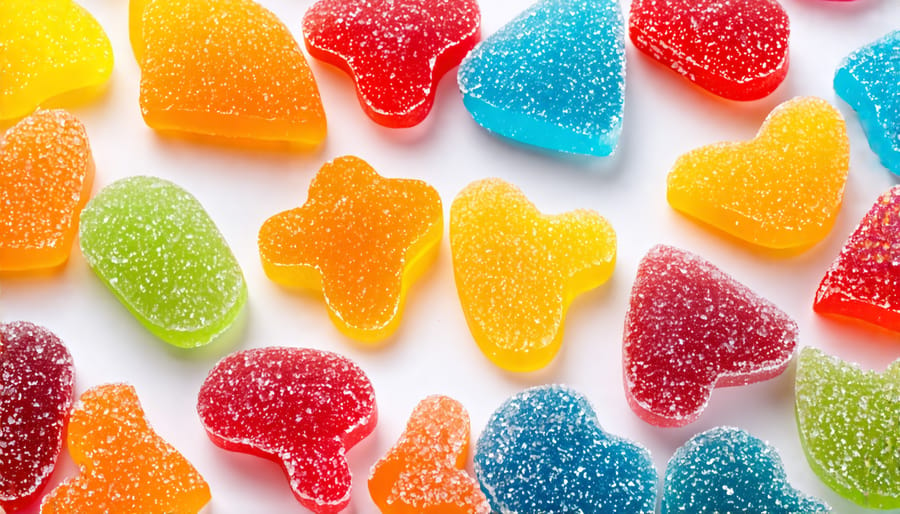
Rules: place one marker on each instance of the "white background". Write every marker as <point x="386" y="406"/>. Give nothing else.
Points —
<point x="433" y="351"/>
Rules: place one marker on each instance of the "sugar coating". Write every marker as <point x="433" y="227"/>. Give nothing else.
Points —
<point x="689" y="328"/>
<point x="518" y="270"/>
<point x="158" y="251"/>
<point x="737" y="49"/>
<point x="37" y="386"/>
<point x="46" y="173"/>
<point x="361" y="239"/>
<point x="869" y="80"/>
<point x="48" y="48"/>
<point x="554" y="77"/>
<point x="124" y="466"/>
<point x="725" y="470"/>
<point x="543" y="450"/>
<point x="226" y="68"/>
<point x="783" y="189"/>
<point x="300" y="407"/>
<point x="396" y="51"/>
<point x="425" y="469"/>
<point x="849" y="423"/>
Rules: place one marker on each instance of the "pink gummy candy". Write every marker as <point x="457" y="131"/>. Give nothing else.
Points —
<point x="299" y="407"/>
<point x="689" y="328"/>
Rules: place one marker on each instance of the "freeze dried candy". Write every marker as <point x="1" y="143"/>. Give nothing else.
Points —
<point x="158" y="251"/>
<point x="737" y="49"/>
<point x="726" y="470"/>
<point x="543" y="450"/>
<point x="361" y="239"/>
<point x="37" y="385"/>
<point x="124" y="466"/>
<point x="517" y="270"/>
<point x="226" y="68"/>
<point x="869" y="80"/>
<point x="849" y="422"/>
<point x="690" y="328"/>
<point x="554" y="77"/>
<point x="299" y="407"/>
<point x="782" y="189"/>
<point x="46" y="174"/>
<point x="48" y="48"/>
<point x="396" y="51"/>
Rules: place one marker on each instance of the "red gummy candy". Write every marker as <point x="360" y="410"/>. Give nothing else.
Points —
<point x="689" y="328"/>
<point x="395" y="50"/>
<point x="37" y="384"/>
<point x="737" y="49"/>
<point x="301" y="408"/>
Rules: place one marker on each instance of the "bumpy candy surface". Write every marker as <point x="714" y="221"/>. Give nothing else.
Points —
<point x="361" y="239"/>
<point x="726" y="470"/>
<point x="425" y="471"/>
<point x="543" y="450"/>
<point x="689" y="328"/>
<point x="46" y="173"/>
<point x="395" y="50"/>
<point x="48" y="48"/>
<point x="869" y="80"/>
<point x="301" y="408"/>
<point x="157" y="250"/>
<point x="849" y="422"/>
<point x="782" y="189"/>
<point x="517" y="270"/>
<point x="554" y="77"/>
<point x="37" y="385"/>
<point x="124" y="465"/>
<point x="737" y="49"/>
<point x="224" y="68"/>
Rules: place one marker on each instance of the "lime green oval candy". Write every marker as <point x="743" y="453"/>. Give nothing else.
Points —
<point x="159" y="252"/>
<point x="849" y="422"/>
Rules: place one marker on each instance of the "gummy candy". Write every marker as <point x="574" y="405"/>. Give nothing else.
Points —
<point x="226" y="68"/>
<point x="48" y="48"/>
<point x="517" y="270"/>
<point x="849" y="422"/>
<point x="395" y="50"/>
<point x="299" y="407"/>
<point x="124" y="465"/>
<point x="737" y="49"/>
<point x="361" y="239"/>
<point x="781" y="190"/>
<point x="869" y="80"/>
<point x="543" y="450"/>
<point x="725" y="469"/>
<point x="554" y="77"/>
<point x="689" y="328"/>
<point x="158" y="251"/>
<point x="37" y="380"/>
<point x="424" y="471"/>
<point x="46" y="174"/>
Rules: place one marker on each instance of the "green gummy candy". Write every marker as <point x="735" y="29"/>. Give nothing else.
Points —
<point x="849" y="422"/>
<point x="159" y="252"/>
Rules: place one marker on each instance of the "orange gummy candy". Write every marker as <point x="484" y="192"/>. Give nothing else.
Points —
<point x="361" y="239"/>
<point x="46" y="173"/>
<point x="125" y="466"/>
<point x="425" y="471"/>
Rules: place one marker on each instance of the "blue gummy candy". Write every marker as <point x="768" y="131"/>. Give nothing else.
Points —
<point x="726" y="470"/>
<point x="869" y="80"/>
<point x="554" y="77"/>
<point x="543" y="451"/>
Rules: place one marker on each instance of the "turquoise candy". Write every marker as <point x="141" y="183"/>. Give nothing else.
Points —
<point x="869" y="80"/>
<point x="543" y="451"/>
<point x="554" y="77"/>
<point x="725" y="470"/>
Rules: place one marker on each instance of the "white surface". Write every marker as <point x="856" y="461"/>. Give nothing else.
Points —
<point x="433" y="351"/>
